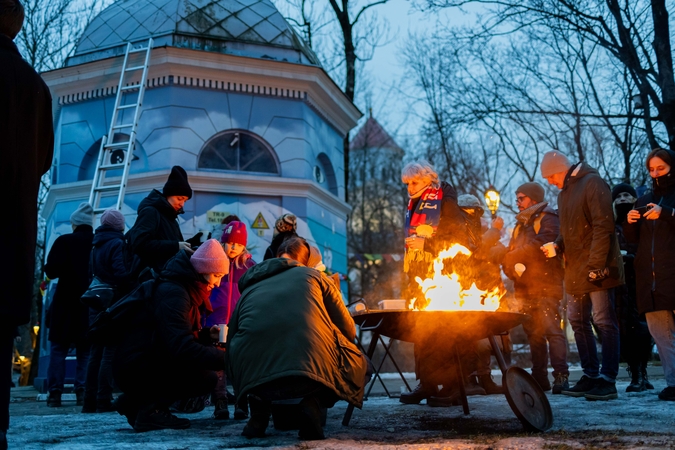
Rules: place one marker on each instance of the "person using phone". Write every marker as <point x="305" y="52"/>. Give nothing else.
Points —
<point x="652" y="226"/>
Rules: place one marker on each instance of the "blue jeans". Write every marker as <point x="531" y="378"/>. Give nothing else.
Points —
<point x="543" y="326"/>
<point x="56" y="373"/>
<point x="662" y="326"/>
<point x="601" y="303"/>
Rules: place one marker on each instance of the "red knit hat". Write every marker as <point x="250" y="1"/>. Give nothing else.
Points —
<point x="210" y="258"/>
<point x="235" y="232"/>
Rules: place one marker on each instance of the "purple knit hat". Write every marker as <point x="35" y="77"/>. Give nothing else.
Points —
<point x="113" y="218"/>
<point x="234" y="232"/>
<point x="210" y="258"/>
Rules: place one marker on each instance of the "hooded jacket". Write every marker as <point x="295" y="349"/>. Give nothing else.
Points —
<point x="655" y="257"/>
<point x="109" y="259"/>
<point x="291" y="321"/>
<point x="68" y="260"/>
<point x="587" y="235"/>
<point x="156" y="234"/>
<point x="224" y="298"/>
<point x="543" y="277"/>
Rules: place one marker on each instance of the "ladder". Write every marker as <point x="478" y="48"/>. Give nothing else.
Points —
<point x="115" y="155"/>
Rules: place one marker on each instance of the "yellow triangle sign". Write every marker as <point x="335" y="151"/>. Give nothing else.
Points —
<point x="260" y="222"/>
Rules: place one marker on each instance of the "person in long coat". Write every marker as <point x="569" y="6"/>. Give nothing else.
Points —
<point x="291" y="336"/>
<point x="652" y="226"/>
<point x="27" y="145"/>
<point x="155" y="236"/>
<point x="67" y="317"/>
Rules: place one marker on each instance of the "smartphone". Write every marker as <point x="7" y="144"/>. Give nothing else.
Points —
<point x="643" y="208"/>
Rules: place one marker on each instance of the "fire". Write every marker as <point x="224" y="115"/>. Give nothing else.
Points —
<point x="445" y="292"/>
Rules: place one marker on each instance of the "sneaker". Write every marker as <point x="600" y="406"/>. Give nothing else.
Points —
<point x="584" y="385"/>
<point x="220" y="412"/>
<point x="54" y="399"/>
<point x="668" y="394"/>
<point x="560" y="383"/>
<point x="423" y="391"/>
<point x="603" y="390"/>
<point x="151" y="418"/>
<point x="491" y="388"/>
<point x="79" y="395"/>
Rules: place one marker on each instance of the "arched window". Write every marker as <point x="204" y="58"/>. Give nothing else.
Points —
<point x="324" y="174"/>
<point x="238" y="151"/>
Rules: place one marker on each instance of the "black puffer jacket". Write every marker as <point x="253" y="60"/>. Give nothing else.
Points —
<point x="68" y="260"/>
<point x="156" y="234"/>
<point x="174" y="338"/>
<point x="587" y="235"/>
<point x="110" y="261"/>
<point x="655" y="258"/>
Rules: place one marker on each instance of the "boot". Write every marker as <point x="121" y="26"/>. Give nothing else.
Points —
<point x="79" y="396"/>
<point x="637" y="383"/>
<point x="54" y="399"/>
<point x="104" y="405"/>
<point x="472" y="387"/>
<point x="89" y="405"/>
<point x="310" y="424"/>
<point x="489" y="385"/>
<point x="446" y="397"/>
<point x="220" y="412"/>
<point x="260" y="418"/>
<point x="127" y="407"/>
<point x="152" y="417"/>
<point x="643" y="371"/>
<point x="423" y="391"/>
<point x="241" y="409"/>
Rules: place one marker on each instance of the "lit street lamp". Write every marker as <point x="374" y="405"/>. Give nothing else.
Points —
<point x="492" y="200"/>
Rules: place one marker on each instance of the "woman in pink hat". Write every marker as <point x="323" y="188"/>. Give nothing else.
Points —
<point x="223" y="300"/>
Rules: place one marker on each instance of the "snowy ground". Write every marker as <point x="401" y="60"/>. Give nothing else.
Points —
<point x="636" y="420"/>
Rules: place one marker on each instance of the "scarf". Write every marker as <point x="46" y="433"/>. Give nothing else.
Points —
<point x="426" y="212"/>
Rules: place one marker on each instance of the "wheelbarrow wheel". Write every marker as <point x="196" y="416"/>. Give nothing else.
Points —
<point x="527" y="400"/>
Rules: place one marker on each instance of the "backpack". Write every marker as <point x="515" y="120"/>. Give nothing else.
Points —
<point x="132" y="311"/>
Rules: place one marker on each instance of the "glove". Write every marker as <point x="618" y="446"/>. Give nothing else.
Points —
<point x="597" y="275"/>
<point x="196" y="240"/>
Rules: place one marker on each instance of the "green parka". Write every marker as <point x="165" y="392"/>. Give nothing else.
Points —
<point x="291" y="321"/>
<point x="587" y="231"/>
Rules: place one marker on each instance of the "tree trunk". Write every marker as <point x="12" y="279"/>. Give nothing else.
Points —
<point x="664" y="62"/>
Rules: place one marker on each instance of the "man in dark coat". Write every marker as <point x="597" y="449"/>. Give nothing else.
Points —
<point x="156" y="236"/>
<point x="538" y="282"/>
<point x="27" y="146"/>
<point x="67" y="317"/>
<point x="593" y="266"/>
<point x="172" y="358"/>
<point x="291" y="336"/>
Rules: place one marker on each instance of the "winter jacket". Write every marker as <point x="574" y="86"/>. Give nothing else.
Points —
<point x="111" y="262"/>
<point x="225" y="297"/>
<point x="68" y="260"/>
<point x="291" y="321"/>
<point x="587" y="231"/>
<point x="155" y="234"/>
<point x="655" y="258"/>
<point x="174" y="337"/>
<point x="277" y="240"/>
<point x="27" y="147"/>
<point x="543" y="277"/>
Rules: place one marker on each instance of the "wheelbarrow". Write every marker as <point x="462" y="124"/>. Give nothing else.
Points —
<point x="459" y="328"/>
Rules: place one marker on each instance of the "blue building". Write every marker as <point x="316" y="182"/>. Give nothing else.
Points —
<point x="234" y="96"/>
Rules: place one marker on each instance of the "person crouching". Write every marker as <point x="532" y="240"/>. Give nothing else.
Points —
<point x="172" y="359"/>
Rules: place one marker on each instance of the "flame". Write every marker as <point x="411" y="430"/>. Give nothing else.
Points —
<point x="445" y="292"/>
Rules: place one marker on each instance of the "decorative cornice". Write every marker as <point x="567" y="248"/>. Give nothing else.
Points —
<point x="201" y="181"/>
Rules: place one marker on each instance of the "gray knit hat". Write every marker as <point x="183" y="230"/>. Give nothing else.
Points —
<point x="533" y="190"/>
<point x="554" y="162"/>
<point x="83" y="215"/>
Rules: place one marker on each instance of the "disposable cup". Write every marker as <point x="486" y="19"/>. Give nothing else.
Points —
<point x="550" y="249"/>
<point x="222" y="336"/>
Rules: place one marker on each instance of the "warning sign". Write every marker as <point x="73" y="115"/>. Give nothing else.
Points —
<point x="259" y="222"/>
<point x="216" y="217"/>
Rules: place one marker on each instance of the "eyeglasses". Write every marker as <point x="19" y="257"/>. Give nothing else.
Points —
<point x="520" y="198"/>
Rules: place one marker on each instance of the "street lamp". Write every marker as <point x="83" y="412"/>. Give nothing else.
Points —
<point x="492" y="200"/>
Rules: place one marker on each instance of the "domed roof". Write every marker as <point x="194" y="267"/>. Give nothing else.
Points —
<point x="253" y="28"/>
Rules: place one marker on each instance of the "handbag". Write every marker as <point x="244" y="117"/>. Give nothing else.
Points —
<point x="99" y="295"/>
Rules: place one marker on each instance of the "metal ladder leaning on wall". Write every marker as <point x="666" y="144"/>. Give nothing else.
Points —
<point x="115" y="156"/>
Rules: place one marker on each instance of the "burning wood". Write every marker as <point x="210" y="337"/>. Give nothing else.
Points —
<point x="445" y="293"/>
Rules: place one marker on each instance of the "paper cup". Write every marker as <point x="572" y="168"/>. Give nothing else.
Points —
<point x="222" y="336"/>
<point x="519" y="268"/>
<point x="550" y="249"/>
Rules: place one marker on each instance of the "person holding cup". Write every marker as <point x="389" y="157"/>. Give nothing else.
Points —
<point x="651" y="224"/>
<point x="224" y="298"/>
<point x="593" y="267"/>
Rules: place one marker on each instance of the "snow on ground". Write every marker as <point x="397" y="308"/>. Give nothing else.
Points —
<point x="636" y="420"/>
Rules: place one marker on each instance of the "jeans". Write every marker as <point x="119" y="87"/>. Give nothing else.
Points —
<point x="543" y="326"/>
<point x="662" y="327"/>
<point x="56" y="373"/>
<point x="601" y="303"/>
<point x="99" y="384"/>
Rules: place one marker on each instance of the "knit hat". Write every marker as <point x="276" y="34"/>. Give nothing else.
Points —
<point x="83" y="215"/>
<point x="287" y="222"/>
<point x="469" y="201"/>
<point x="210" y="258"/>
<point x="113" y="218"/>
<point x="533" y="190"/>
<point x="623" y="187"/>
<point x="314" y="260"/>
<point x="177" y="184"/>
<point x="234" y="232"/>
<point x="554" y="162"/>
